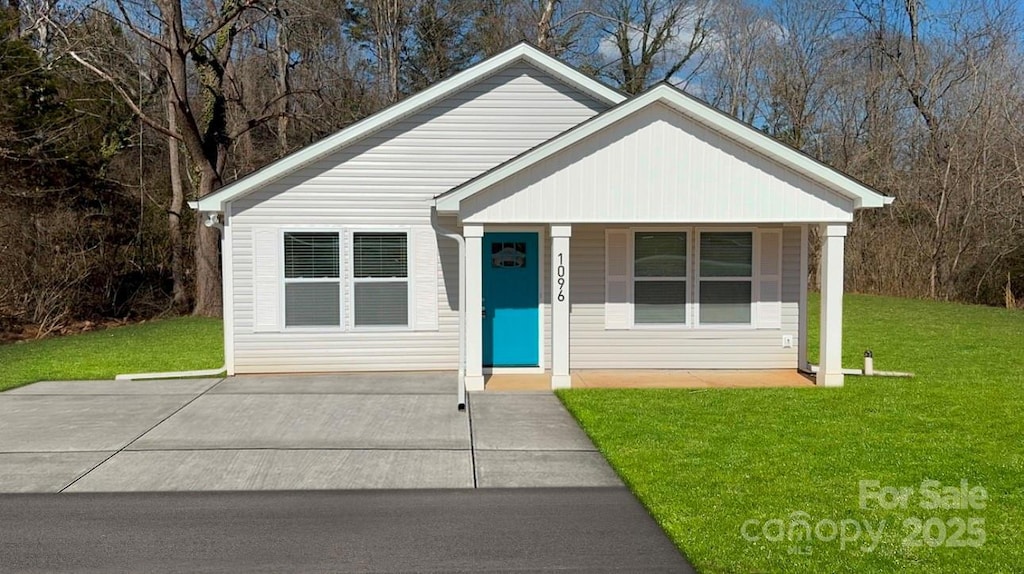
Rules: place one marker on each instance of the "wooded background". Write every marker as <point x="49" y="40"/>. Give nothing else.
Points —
<point x="114" y="113"/>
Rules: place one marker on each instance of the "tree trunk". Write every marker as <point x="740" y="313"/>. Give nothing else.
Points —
<point x="209" y="299"/>
<point x="283" y="82"/>
<point x="179" y="295"/>
<point x="545" y="35"/>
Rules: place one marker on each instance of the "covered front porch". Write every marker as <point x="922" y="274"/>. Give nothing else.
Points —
<point x="670" y="237"/>
<point x="591" y="329"/>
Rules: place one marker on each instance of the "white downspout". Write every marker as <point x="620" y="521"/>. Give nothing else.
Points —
<point x="212" y="220"/>
<point x="461" y="241"/>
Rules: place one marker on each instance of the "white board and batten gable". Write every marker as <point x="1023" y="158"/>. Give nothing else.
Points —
<point x="661" y="157"/>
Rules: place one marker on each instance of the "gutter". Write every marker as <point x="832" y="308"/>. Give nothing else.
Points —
<point x="461" y="241"/>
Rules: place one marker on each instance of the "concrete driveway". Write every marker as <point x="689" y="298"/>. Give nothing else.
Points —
<point x="380" y="431"/>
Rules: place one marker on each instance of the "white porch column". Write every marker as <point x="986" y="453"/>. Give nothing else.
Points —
<point x="830" y="356"/>
<point x="560" y="378"/>
<point x="474" y="305"/>
<point x="802" y="362"/>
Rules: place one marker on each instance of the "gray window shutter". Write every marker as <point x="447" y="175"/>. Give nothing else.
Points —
<point x="616" y="282"/>
<point x="425" y="255"/>
<point x="266" y="253"/>
<point x="769" y="279"/>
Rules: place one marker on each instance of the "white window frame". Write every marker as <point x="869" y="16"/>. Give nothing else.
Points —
<point x="340" y="279"/>
<point x="352" y="279"/>
<point x="693" y="278"/>
<point x="346" y="279"/>
<point x="688" y="279"/>
<point x="753" y="279"/>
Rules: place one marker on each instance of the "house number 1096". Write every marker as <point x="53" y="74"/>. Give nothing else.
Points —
<point x="560" y="272"/>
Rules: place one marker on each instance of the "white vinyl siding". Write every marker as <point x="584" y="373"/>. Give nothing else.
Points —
<point x="599" y="341"/>
<point x="657" y="167"/>
<point x="383" y="181"/>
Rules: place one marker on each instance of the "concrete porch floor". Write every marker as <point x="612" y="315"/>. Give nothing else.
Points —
<point x="697" y="379"/>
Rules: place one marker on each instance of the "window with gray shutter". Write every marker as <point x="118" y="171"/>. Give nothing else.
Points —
<point x="312" y="279"/>
<point x="380" y="276"/>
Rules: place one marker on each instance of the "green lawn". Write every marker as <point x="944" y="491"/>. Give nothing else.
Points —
<point x="706" y="462"/>
<point x="182" y="343"/>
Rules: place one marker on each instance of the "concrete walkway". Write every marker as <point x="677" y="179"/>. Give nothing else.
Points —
<point x="379" y="431"/>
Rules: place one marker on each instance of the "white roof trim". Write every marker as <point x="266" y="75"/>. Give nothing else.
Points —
<point x="522" y="52"/>
<point x="862" y="195"/>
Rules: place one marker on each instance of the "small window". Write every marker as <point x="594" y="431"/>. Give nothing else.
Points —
<point x="312" y="281"/>
<point x="380" y="275"/>
<point x="726" y="273"/>
<point x="659" y="277"/>
<point x="508" y="254"/>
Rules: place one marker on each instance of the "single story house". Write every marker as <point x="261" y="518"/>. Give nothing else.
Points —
<point x="522" y="216"/>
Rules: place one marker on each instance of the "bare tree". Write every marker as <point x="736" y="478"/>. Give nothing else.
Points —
<point x="653" y="40"/>
<point x="799" y="57"/>
<point x="545" y="32"/>
<point x="732" y="79"/>
<point x="931" y="73"/>
<point x="383" y="24"/>
<point x="208" y="51"/>
<point x="179" y="297"/>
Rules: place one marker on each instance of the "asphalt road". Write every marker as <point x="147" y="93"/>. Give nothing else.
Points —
<point x="485" y="530"/>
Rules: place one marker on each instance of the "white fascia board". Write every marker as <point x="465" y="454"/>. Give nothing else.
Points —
<point x="744" y="134"/>
<point x="522" y="52"/>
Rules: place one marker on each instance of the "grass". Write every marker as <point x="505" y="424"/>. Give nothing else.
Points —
<point x="182" y="343"/>
<point x="705" y="462"/>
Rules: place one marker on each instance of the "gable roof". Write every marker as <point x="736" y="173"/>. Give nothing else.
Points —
<point x="750" y="137"/>
<point x="522" y="52"/>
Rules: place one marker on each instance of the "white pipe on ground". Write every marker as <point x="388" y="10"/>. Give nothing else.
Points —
<point x="461" y="241"/>
<point x="858" y="372"/>
<point x="171" y="374"/>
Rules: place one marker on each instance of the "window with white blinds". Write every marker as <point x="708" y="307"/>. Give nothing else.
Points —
<point x="312" y="279"/>
<point x="725" y="277"/>
<point x="714" y="287"/>
<point x="380" y="279"/>
<point x="659" y="277"/>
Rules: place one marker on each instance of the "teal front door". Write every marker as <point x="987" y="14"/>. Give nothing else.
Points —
<point x="511" y="318"/>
